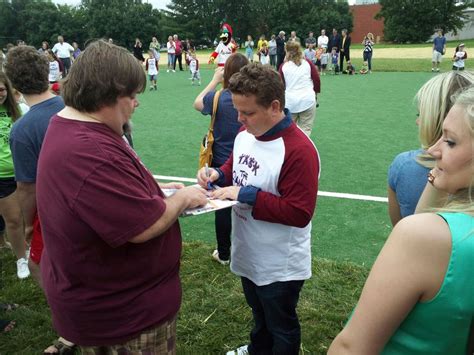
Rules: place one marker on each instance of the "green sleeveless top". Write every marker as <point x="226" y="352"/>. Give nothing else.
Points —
<point x="441" y="325"/>
<point x="6" y="162"/>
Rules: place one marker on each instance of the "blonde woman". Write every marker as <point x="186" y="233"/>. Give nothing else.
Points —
<point x="407" y="173"/>
<point x="302" y="85"/>
<point x="368" y="43"/>
<point x="418" y="298"/>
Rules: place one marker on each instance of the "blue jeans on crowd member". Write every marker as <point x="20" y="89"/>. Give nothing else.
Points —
<point x="249" y="54"/>
<point x="273" y="59"/>
<point x="277" y="329"/>
<point x="368" y="58"/>
<point x="66" y="64"/>
<point x="171" y="60"/>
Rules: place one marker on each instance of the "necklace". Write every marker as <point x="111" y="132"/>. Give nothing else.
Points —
<point x="90" y="117"/>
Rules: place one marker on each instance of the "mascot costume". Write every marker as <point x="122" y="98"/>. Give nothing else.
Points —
<point x="225" y="48"/>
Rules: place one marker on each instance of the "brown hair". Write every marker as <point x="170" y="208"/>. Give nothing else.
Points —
<point x="10" y="103"/>
<point x="103" y="73"/>
<point x="259" y="80"/>
<point x="232" y="65"/>
<point x="27" y="70"/>
<point x="293" y="52"/>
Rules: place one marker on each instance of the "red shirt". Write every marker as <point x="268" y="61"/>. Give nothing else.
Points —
<point x="94" y="195"/>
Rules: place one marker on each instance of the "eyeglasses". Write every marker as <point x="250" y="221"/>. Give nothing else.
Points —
<point x="3" y="89"/>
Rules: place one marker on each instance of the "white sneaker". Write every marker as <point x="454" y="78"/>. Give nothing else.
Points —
<point x="174" y="71"/>
<point x="167" y="70"/>
<point x="22" y="270"/>
<point x="243" y="350"/>
<point x="215" y="256"/>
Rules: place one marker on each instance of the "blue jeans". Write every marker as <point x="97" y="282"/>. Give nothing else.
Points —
<point x="171" y="60"/>
<point x="277" y="329"/>
<point x="66" y="64"/>
<point x="368" y="59"/>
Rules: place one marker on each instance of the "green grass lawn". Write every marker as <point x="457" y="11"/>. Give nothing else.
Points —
<point x="361" y="124"/>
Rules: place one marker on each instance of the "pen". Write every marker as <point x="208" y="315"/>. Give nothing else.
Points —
<point x="209" y="185"/>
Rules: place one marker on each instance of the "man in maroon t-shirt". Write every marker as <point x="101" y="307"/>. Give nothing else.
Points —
<point x="110" y="266"/>
<point x="178" y="54"/>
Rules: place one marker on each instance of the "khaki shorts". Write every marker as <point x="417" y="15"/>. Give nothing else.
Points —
<point x="437" y="57"/>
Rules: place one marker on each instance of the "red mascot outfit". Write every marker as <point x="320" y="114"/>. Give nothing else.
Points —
<point x="225" y="48"/>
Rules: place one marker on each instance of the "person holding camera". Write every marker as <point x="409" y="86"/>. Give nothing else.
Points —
<point x="368" y="43"/>
<point x="138" y="50"/>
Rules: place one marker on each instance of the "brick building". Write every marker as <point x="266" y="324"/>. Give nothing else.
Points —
<point x="364" y="22"/>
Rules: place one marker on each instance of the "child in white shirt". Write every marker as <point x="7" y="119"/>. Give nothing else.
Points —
<point x="194" y="67"/>
<point x="152" y="69"/>
<point x="54" y="68"/>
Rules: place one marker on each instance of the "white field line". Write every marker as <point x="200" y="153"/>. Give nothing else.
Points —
<point x="320" y="193"/>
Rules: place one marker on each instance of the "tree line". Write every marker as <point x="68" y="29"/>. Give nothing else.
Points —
<point x="199" y="20"/>
<point x="35" y="21"/>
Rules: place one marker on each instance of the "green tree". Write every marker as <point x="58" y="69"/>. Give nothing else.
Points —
<point x="200" y="19"/>
<point x="122" y="20"/>
<point x="417" y="20"/>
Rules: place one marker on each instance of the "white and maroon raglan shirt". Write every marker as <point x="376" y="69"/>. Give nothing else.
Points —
<point x="271" y="228"/>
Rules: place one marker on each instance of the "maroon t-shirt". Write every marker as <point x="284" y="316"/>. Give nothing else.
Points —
<point x="94" y="195"/>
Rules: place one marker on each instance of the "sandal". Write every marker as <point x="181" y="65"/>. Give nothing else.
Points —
<point x="61" y="346"/>
<point x="5" y="307"/>
<point x="6" y="325"/>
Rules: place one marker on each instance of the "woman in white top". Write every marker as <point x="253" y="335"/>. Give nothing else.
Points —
<point x="171" y="46"/>
<point x="302" y="84"/>
<point x="459" y="56"/>
<point x="272" y="51"/>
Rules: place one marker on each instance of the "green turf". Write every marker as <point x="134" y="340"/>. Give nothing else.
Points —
<point x="361" y="124"/>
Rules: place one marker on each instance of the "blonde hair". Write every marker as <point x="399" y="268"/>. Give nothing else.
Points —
<point x="370" y="36"/>
<point x="463" y="200"/>
<point x="293" y="52"/>
<point x="434" y="102"/>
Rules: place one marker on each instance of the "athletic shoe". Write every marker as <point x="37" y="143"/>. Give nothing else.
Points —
<point x="437" y="69"/>
<point x="243" y="350"/>
<point x="22" y="270"/>
<point x="167" y="70"/>
<point x="432" y="69"/>
<point x="215" y="256"/>
<point x="151" y="88"/>
<point x="174" y="71"/>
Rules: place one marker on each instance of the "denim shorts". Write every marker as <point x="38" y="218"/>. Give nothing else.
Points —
<point x="7" y="187"/>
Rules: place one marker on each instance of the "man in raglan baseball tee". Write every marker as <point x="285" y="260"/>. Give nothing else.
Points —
<point x="274" y="172"/>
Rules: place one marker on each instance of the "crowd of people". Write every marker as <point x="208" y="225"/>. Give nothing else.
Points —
<point x="105" y="243"/>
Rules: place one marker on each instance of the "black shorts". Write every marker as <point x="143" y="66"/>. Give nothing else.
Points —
<point x="7" y="187"/>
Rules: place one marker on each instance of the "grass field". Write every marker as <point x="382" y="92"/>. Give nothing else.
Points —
<point x="361" y="124"/>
